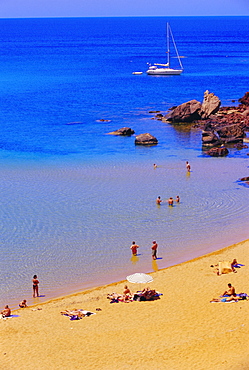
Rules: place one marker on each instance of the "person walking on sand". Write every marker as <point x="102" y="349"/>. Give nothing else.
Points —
<point x="158" y="200"/>
<point x="188" y="166"/>
<point x="35" y="286"/>
<point x="134" y="248"/>
<point x="171" y="201"/>
<point x="154" y="250"/>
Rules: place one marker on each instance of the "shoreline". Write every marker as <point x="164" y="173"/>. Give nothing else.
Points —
<point x="59" y="200"/>
<point x="181" y="330"/>
<point x="115" y="283"/>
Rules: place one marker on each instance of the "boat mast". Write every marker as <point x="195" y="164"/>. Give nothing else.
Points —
<point x="168" y="44"/>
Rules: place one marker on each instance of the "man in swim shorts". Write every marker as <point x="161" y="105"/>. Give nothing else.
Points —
<point x="230" y="291"/>
<point x="154" y="250"/>
<point x="171" y="201"/>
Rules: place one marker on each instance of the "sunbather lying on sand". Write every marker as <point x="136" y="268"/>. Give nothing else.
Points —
<point x="235" y="298"/>
<point x="147" y="294"/>
<point x="72" y="313"/>
<point x="226" y="299"/>
<point x="114" y="297"/>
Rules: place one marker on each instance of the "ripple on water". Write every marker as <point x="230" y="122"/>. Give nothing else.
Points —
<point x="73" y="226"/>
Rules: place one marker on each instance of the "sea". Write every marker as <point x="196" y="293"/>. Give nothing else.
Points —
<point x="74" y="198"/>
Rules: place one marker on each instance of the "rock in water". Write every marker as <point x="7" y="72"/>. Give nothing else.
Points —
<point x="231" y="134"/>
<point x="210" y="105"/>
<point x="186" y="112"/>
<point x="146" y="139"/>
<point x="218" y="152"/>
<point x="124" y="131"/>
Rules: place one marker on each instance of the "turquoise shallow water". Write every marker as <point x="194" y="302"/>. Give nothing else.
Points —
<point x="73" y="226"/>
<point x="74" y="198"/>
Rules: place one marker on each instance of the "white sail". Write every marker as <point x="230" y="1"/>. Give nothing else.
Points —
<point x="164" y="69"/>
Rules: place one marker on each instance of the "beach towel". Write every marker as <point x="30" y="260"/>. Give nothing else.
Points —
<point x="8" y="317"/>
<point x="238" y="265"/>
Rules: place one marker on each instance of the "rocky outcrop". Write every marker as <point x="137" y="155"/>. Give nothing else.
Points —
<point x="193" y="110"/>
<point x="218" y="152"/>
<point x="223" y="135"/>
<point x="240" y="146"/>
<point x="145" y="139"/>
<point x="231" y="134"/>
<point x="210" y="105"/>
<point x="210" y="138"/>
<point x="124" y="131"/>
<point x="245" y="99"/>
<point x="220" y="125"/>
<point x="186" y="112"/>
<point x="244" y="179"/>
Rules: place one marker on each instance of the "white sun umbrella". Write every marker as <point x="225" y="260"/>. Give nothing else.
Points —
<point x="139" y="278"/>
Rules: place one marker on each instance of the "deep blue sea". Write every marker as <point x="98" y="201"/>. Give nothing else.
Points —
<point x="73" y="198"/>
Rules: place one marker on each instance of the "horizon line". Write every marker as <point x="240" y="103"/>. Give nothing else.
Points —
<point x="124" y="16"/>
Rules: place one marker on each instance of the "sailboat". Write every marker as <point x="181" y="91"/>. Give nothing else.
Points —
<point x="164" y="69"/>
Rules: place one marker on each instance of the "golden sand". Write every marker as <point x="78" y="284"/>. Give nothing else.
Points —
<point x="181" y="330"/>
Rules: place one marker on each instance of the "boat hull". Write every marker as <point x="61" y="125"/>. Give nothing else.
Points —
<point x="164" y="71"/>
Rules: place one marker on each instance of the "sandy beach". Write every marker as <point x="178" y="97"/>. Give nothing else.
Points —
<point x="181" y="330"/>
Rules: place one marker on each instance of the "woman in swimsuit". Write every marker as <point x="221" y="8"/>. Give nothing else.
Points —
<point x="35" y="286"/>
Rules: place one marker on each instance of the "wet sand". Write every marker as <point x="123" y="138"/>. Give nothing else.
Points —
<point x="181" y="330"/>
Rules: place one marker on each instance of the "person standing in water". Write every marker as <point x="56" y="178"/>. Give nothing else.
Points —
<point x="171" y="201"/>
<point x="188" y="166"/>
<point x="35" y="286"/>
<point x="134" y="248"/>
<point x="154" y="250"/>
<point x="158" y="200"/>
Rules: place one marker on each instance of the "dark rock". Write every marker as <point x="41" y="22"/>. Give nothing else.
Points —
<point x="186" y="112"/>
<point x="145" y="139"/>
<point x="210" y="138"/>
<point x="159" y="116"/>
<point x="124" y="131"/>
<point x="245" y="113"/>
<point x="244" y="179"/>
<point x="245" y="99"/>
<point x="218" y="152"/>
<point x="208" y="126"/>
<point x="231" y="134"/>
<point x="240" y="146"/>
<point x="210" y="105"/>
